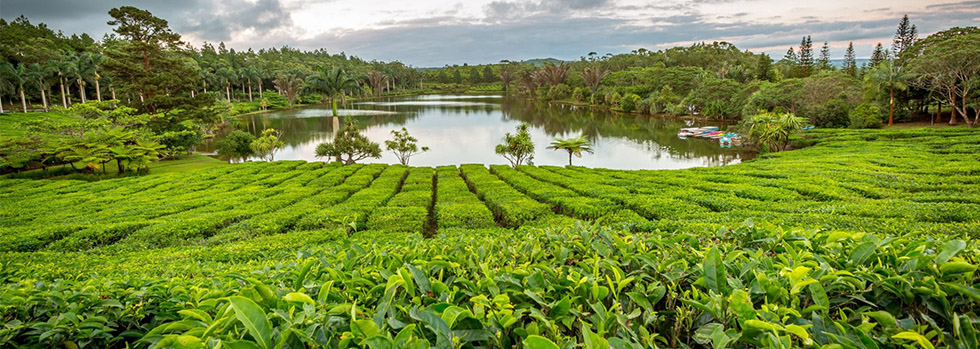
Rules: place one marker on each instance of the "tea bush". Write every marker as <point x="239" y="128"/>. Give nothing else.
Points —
<point x="866" y="239"/>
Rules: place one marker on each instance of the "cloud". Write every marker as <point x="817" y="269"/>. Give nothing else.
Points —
<point x="425" y="33"/>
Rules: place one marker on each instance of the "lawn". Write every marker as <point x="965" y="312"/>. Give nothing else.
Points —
<point x="867" y="238"/>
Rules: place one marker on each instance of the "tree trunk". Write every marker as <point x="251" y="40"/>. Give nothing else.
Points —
<point x="333" y="105"/>
<point x="260" y="88"/>
<point x="192" y="93"/>
<point x="250" y="91"/>
<point x="44" y="99"/>
<point x="113" y="90"/>
<point x="64" y="100"/>
<point x="243" y="92"/>
<point x="569" y="158"/>
<point x="952" y="111"/>
<point x="81" y="90"/>
<point x="23" y="101"/>
<point x="228" y="92"/>
<point x="891" y="105"/>
<point x="120" y="166"/>
<point x="98" y="91"/>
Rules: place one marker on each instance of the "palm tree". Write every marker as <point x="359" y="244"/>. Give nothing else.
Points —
<point x="82" y="69"/>
<point x="92" y="62"/>
<point x="250" y="74"/>
<point x="332" y="83"/>
<point x="63" y="69"/>
<point x="574" y="146"/>
<point x="289" y="85"/>
<point x="376" y="80"/>
<point x="227" y="76"/>
<point x="38" y="75"/>
<point x="20" y="75"/>
<point x="593" y="77"/>
<point x="887" y="75"/>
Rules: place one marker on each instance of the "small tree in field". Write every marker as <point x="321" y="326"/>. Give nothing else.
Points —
<point x="404" y="146"/>
<point x="237" y="145"/>
<point x="266" y="145"/>
<point x="517" y="148"/>
<point x="574" y="146"/>
<point x="771" y="131"/>
<point x="349" y="143"/>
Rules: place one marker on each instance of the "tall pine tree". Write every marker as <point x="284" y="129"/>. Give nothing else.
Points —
<point x="806" y="56"/>
<point x="850" y="63"/>
<point x="879" y="55"/>
<point x="905" y="36"/>
<point x="825" y="56"/>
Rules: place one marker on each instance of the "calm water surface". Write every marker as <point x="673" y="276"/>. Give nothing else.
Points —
<point x="465" y="129"/>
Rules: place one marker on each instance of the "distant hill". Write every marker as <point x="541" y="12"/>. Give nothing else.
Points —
<point x="535" y="62"/>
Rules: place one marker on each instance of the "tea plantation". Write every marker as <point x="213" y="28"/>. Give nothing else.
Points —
<point x="865" y="239"/>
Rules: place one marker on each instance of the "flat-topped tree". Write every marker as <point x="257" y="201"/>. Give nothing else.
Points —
<point x="574" y="146"/>
<point x="350" y="146"/>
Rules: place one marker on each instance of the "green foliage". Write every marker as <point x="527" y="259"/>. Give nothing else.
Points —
<point x="265" y="146"/>
<point x="772" y="131"/>
<point x="559" y="92"/>
<point x="831" y="244"/>
<point x="628" y="102"/>
<point x="517" y="148"/>
<point x="404" y="146"/>
<point x="574" y="146"/>
<point x="349" y="143"/>
<point x="833" y="114"/>
<point x="237" y="145"/>
<point x="865" y="115"/>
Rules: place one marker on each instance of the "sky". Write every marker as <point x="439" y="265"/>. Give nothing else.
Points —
<point x="433" y="33"/>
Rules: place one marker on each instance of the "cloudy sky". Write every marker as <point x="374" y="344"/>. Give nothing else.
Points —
<point x="434" y="33"/>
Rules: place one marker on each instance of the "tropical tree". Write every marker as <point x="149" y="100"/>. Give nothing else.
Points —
<point x="290" y="84"/>
<point x="349" y="143"/>
<point x="377" y="81"/>
<point x="574" y="146"/>
<point x="227" y="76"/>
<point x="948" y="63"/>
<point x="335" y="84"/>
<point x="81" y="69"/>
<point x="772" y="131"/>
<point x="891" y="77"/>
<point x="593" y="77"/>
<point x="554" y="74"/>
<point x="265" y="146"/>
<point x="404" y="146"/>
<point x="250" y="74"/>
<point x="94" y="62"/>
<point x="20" y="76"/>
<point x="517" y="148"/>
<point x="38" y="77"/>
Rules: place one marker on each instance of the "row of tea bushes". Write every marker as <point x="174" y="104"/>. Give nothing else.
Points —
<point x="407" y="211"/>
<point x="753" y="286"/>
<point x="456" y="206"/>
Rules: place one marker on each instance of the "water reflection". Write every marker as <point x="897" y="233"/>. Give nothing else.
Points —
<point x="465" y="129"/>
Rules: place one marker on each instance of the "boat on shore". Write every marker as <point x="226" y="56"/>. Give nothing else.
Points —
<point x="696" y="131"/>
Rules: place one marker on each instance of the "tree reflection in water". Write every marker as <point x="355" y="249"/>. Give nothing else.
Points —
<point x="465" y="129"/>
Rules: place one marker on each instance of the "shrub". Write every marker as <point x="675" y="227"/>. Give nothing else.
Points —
<point x="865" y="115"/>
<point x="628" y="102"/>
<point x="833" y="114"/>
<point x="559" y="92"/>
<point x="580" y="94"/>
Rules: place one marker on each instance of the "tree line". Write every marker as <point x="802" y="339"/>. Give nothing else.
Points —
<point x="916" y="78"/>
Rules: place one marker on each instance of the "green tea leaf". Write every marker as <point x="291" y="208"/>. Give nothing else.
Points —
<point x="949" y="249"/>
<point x="538" y="342"/>
<point x="918" y="338"/>
<point x="715" y="277"/>
<point x="298" y="297"/>
<point x="254" y="319"/>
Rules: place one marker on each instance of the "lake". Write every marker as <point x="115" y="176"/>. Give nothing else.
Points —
<point x="463" y="129"/>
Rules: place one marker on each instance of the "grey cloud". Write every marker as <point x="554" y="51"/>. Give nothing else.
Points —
<point x="514" y="10"/>
<point x="211" y="20"/>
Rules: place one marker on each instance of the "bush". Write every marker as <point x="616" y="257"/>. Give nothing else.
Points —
<point x="720" y="110"/>
<point x="644" y="105"/>
<point x="833" y="114"/>
<point x="580" y="94"/>
<point x="628" y="102"/>
<point x="612" y="99"/>
<point x="558" y="92"/>
<point x="865" y="115"/>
